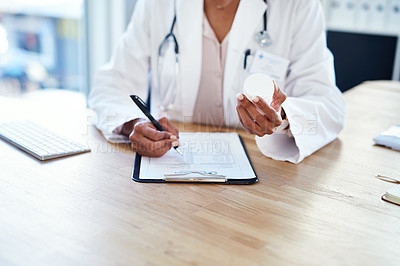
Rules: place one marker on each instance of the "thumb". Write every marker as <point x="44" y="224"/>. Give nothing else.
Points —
<point x="278" y="98"/>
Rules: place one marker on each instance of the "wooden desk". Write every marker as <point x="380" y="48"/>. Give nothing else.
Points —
<point x="86" y="210"/>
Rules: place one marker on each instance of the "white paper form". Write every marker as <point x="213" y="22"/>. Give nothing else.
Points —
<point x="220" y="153"/>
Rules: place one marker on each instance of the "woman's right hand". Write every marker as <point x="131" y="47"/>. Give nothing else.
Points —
<point x="148" y="141"/>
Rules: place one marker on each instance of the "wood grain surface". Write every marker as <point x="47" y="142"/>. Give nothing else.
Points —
<point x="86" y="210"/>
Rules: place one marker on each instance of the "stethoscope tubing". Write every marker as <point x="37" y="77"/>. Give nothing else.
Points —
<point x="172" y="35"/>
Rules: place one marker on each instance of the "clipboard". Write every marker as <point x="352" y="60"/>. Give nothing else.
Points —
<point x="238" y="156"/>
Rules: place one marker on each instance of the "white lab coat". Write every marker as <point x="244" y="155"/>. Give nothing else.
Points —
<point x="314" y="107"/>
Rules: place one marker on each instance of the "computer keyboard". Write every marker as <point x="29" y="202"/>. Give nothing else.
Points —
<point x="38" y="141"/>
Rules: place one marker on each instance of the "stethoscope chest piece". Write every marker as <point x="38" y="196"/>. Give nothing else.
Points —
<point x="263" y="38"/>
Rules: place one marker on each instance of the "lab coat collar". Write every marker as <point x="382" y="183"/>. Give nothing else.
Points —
<point x="189" y="18"/>
<point x="189" y="33"/>
<point x="248" y="19"/>
<point x="248" y="16"/>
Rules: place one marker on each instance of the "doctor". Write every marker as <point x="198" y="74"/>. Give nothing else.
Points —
<point x="199" y="52"/>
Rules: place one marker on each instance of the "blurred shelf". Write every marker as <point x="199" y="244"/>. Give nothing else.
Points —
<point x="47" y="8"/>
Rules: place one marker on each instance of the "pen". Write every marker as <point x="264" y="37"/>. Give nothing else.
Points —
<point x="142" y="106"/>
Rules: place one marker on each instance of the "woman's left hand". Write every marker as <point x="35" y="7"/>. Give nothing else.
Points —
<point x="257" y="117"/>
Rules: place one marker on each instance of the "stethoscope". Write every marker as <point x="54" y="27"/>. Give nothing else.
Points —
<point x="262" y="38"/>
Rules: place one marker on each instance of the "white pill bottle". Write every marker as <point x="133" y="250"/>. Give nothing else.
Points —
<point x="260" y="85"/>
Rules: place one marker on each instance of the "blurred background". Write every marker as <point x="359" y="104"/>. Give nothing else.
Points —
<point x="41" y="45"/>
<point x="59" y="44"/>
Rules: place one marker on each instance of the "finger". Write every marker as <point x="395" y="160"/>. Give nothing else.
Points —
<point x="242" y="112"/>
<point x="278" y="98"/>
<point x="272" y="115"/>
<point x="247" y="104"/>
<point x="257" y="128"/>
<point x="138" y="139"/>
<point x="147" y="147"/>
<point x="144" y="144"/>
<point x="261" y="113"/>
<point x="168" y="126"/>
<point x="241" y="121"/>
<point x="153" y="153"/>
<point x="152" y="133"/>
<point x="160" y="148"/>
<point x="248" y="121"/>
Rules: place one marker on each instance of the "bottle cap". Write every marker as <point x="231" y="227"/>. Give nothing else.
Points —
<point x="260" y="85"/>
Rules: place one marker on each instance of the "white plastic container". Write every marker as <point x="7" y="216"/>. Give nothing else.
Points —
<point x="260" y="85"/>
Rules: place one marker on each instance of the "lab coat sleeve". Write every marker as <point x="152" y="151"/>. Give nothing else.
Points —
<point x="315" y="107"/>
<point x="125" y="74"/>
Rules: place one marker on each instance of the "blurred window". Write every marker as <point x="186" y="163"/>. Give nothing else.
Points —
<point x="41" y="45"/>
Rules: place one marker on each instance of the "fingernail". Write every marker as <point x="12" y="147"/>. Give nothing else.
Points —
<point x="173" y="137"/>
<point x="239" y="96"/>
<point x="175" y="143"/>
<point x="255" y="99"/>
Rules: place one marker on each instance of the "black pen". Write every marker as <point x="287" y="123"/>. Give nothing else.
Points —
<point x="142" y="106"/>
